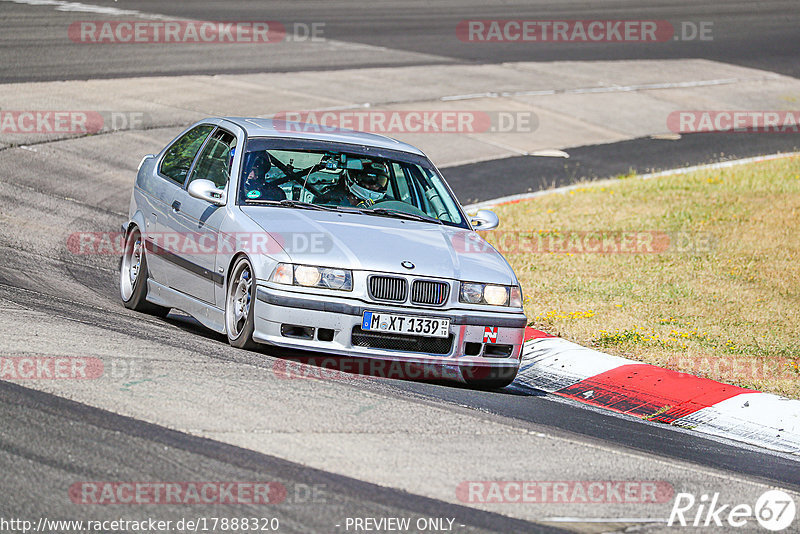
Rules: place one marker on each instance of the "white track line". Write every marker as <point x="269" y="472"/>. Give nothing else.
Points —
<point x="78" y="7"/>
<point x="604" y="519"/>
<point x="605" y="89"/>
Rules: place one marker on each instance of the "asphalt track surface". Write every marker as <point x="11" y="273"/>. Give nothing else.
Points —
<point x="48" y="442"/>
<point x="133" y="450"/>
<point x="755" y="34"/>
<point x="762" y="35"/>
<point x="509" y="176"/>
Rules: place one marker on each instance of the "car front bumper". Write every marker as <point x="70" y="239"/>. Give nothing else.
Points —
<point x="332" y="325"/>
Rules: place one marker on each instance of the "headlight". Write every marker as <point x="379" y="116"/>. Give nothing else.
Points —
<point x="307" y="276"/>
<point x="493" y="295"/>
<point x="311" y="276"/>
<point x="472" y="293"/>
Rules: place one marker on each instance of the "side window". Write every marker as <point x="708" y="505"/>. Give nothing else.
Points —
<point x="180" y="155"/>
<point x="402" y="184"/>
<point x="214" y="162"/>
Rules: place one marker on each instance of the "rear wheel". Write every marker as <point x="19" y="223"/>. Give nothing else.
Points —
<point x="482" y="377"/>
<point x="133" y="277"/>
<point x="239" y="309"/>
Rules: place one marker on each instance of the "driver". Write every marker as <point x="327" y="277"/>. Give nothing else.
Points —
<point x="256" y="186"/>
<point x="362" y="187"/>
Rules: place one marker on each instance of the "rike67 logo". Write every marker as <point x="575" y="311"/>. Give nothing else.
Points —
<point x="774" y="510"/>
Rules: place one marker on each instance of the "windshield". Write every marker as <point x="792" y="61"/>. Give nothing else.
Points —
<point x="356" y="178"/>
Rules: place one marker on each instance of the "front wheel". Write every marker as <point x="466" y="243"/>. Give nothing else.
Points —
<point x="133" y="277"/>
<point x="482" y="377"/>
<point x="239" y="308"/>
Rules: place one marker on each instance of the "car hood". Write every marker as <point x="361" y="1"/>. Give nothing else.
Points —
<point x="368" y="242"/>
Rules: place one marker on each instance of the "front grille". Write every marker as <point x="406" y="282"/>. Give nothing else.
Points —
<point x="428" y="345"/>
<point x="388" y="288"/>
<point x="429" y="292"/>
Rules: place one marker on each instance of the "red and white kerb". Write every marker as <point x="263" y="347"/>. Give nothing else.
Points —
<point x="569" y="370"/>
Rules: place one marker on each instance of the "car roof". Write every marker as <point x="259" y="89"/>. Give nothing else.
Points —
<point x="258" y="127"/>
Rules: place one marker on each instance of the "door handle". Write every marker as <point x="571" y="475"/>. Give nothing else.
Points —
<point x="176" y="206"/>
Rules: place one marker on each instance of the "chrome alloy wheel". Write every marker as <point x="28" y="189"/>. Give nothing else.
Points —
<point x="131" y="265"/>
<point x="240" y="296"/>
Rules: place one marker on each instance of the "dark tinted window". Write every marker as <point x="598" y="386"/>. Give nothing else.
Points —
<point x="180" y="155"/>
<point x="338" y="177"/>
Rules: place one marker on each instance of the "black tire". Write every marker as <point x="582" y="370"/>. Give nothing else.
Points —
<point x="239" y="293"/>
<point x="482" y="377"/>
<point x="133" y="277"/>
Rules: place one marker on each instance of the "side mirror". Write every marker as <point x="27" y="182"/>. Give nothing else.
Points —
<point x="148" y="156"/>
<point x="484" y="220"/>
<point x="207" y="190"/>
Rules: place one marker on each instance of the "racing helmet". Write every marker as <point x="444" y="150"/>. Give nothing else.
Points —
<point x="369" y="183"/>
<point x="259" y="167"/>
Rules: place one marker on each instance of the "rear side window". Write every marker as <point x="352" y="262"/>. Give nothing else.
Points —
<point x="214" y="162"/>
<point x="180" y="155"/>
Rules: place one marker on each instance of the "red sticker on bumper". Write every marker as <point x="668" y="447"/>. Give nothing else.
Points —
<point x="490" y="334"/>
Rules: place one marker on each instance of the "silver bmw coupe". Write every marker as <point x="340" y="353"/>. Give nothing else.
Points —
<point x="334" y="241"/>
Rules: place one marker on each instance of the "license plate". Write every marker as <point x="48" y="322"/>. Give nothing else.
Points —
<point x="405" y="324"/>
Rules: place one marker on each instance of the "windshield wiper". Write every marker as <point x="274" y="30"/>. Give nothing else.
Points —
<point x="305" y="205"/>
<point x="385" y="212"/>
<point x="292" y="204"/>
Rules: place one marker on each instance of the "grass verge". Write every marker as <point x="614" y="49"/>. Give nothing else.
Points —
<point x="699" y="273"/>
